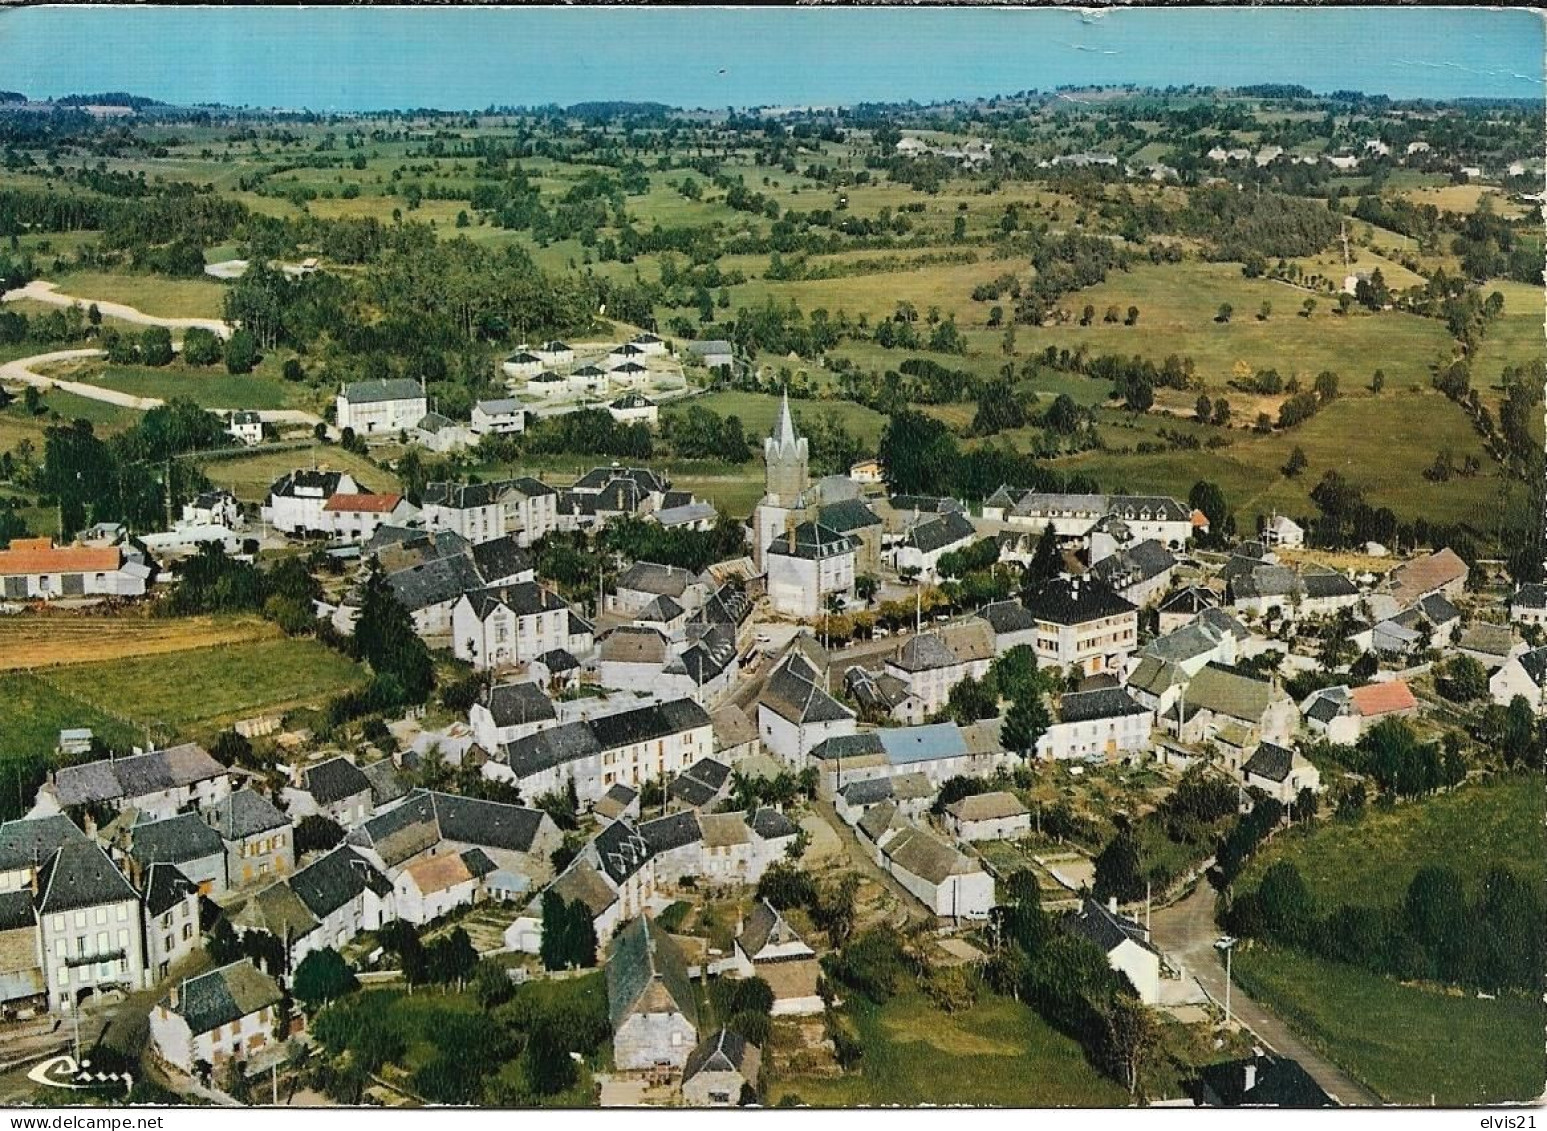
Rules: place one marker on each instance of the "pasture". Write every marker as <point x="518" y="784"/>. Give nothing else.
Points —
<point x="150" y="294"/>
<point x="210" y="387"/>
<point x="249" y="477"/>
<point x="51" y="637"/>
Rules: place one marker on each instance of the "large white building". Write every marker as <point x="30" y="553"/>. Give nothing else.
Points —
<point x="480" y="512"/>
<point x="36" y="569"/>
<point x="1084" y="623"/>
<point x="90" y="927"/>
<point x="1097" y="725"/>
<point x="297" y="500"/>
<point x="381" y="407"/>
<point x="808" y="567"/>
<point x="509" y="624"/>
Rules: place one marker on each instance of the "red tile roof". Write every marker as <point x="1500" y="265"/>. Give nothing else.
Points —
<point x="377" y="504"/>
<point x="28" y="556"/>
<point x="1413" y="579"/>
<point x="1382" y="698"/>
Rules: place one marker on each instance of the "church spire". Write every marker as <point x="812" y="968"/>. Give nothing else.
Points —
<point x="785" y="432"/>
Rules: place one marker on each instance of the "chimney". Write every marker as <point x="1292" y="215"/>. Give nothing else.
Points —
<point x="1251" y="1071"/>
<point x="1112" y="904"/>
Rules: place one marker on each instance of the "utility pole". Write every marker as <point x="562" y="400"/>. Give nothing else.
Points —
<point x="1226" y="944"/>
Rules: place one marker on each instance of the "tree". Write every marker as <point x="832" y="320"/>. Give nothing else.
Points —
<point x="385" y="639"/>
<point x="1133" y="316"/>
<point x="1025" y="723"/>
<point x="1225" y="311"/>
<point x="1287" y="906"/>
<point x="1307" y="308"/>
<point x="1378" y="381"/>
<point x="156" y="346"/>
<point x="1118" y="873"/>
<point x="1326" y="385"/>
<point x="317" y="833"/>
<point x="1465" y="680"/>
<point x="241" y="352"/>
<point x="1203" y="410"/>
<point x="322" y="976"/>
<point x="1131" y="1038"/>
<point x="545" y="1061"/>
<point x="1047" y="560"/>
<point x="201" y="346"/>
<point x="1210" y="499"/>
<point x="1265" y="311"/>
<point x="1297" y="462"/>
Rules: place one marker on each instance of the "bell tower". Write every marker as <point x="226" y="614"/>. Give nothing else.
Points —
<point x="786" y="455"/>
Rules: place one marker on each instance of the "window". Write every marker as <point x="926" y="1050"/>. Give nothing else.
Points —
<point x="62" y="976"/>
<point x="80" y="918"/>
<point x="101" y="916"/>
<point x="58" y="922"/>
<point x="102" y="943"/>
<point x="123" y="940"/>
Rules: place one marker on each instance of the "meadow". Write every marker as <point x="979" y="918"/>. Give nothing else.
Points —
<point x="40" y="640"/>
<point x="210" y="387"/>
<point x="1409" y="1044"/>
<point x="149" y="294"/>
<point x="249" y="477"/>
<point x="32" y="713"/>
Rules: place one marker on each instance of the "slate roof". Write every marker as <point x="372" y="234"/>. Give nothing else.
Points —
<point x="1007" y="617"/>
<point x="548" y="748"/>
<point x="1228" y="692"/>
<point x="1437" y="608"/>
<point x="764" y="925"/>
<point x="1532" y="596"/>
<point x="278" y="910"/>
<point x="246" y="813"/>
<point x="1278" y="1082"/>
<point x="1326" y="584"/>
<point x="1195" y="638"/>
<point x="847" y="516"/>
<point x="871" y="791"/>
<point x="621" y="850"/>
<point x="1104" y="703"/>
<point x="662" y="610"/>
<point x="1193" y="599"/>
<point x="1535" y="664"/>
<point x="875" y="692"/>
<point x="675" y="831"/>
<point x="655" y="579"/>
<point x="175" y="841"/>
<point x="337" y="779"/>
<point x="987" y="807"/>
<point x="844" y="746"/>
<point x="923" y="652"/>
<point x="1326" y="704"/>
<point x="598" y="477"/>
<point x="724" y="1051"/>
<point x="16" y="915"/>
<point x="701" y="782"/>
<point x="324" y="483"/>
<point x="387" y="784"/>
<point x="1270" y="761"/>
<point x="487" y="824"/>
<point x="925" y="855"/>
<point x="644" y="724"/>
<point x="770" y="824"/>
<point x="647" y="973"/>
<point x="523" y="598"/>
<point x="580" y="882"/>
<point x="791" y="691"/>
<point x="27" y="843"/>
<point x="500" y="558"/>
<point x="434" y="582"/>
<point x="114" y="779"/>
<point x="511" y="704"/>
<point x="1062" y="601"/>
<point x="385" y="389"/>
<point x="223" y="996"/>
<point x="80" y="875"/>
<point x="938" y="533"/>
<point x="1134" y="565"/>
<point x="557" y="661"/>
<point x="1105" y="928"/>
<point x="812" y="541"/>
<point x="165" y="888"/>
<point x="333" y="880"/>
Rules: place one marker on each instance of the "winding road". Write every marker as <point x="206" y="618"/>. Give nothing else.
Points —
<point x="40" y="291"/>
<point x="1186" y="932"/>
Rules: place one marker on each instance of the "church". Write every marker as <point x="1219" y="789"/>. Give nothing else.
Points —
<point x="807" y="562"/>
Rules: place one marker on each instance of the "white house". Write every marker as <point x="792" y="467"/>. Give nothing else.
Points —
<point x="90" y="929"/>
<point x="1099" y="725"/>
<point x="296" y="501"/>
<point x="1284" y="531"/>
<point x="433" y="886"/>
<point x="1084" y="623"/>
<point x="508" y="624"/>
<point x="650" y="1000"/>
<point x="768" y="947"/>
<point x="36" y="569"/>
<point x="988" y="816"/>
<point x="945" y="881"/>
<point x="554" y="353"/>
<point x="928" y="541"/>
<point x="508" y="711"/>
<point x="1524" y="675"/>
<point x="634" y="408"/>
<point x="498" y="417"/>
<point x="795" y="713"/>
<point x="1125" y="943"/>
<point x="158" y="784"/>
<point x="357" y="517"/>
<point x="807" y="566"/>
<point x="523" y="365"/>
<point x="1280" y="772"/>
<point x="225" y="1015"/>
<point x="381" y="407"/>
<point x="649" y="344"/>
<point x="480" y="512"/>
<point x="246" y="426"/>
<point x="930" y="664"/>
<point x="1528" y="605"/>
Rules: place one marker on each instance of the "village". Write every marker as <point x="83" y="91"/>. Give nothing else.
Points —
<point x="705" y="777"/>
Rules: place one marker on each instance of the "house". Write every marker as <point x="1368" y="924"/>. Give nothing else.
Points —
<point x="1184" y="606"/>
<point x="523" y="365"/>
<point x="481" y="512"/>
<point x="213" y="508"/>
<point x="185" y="841"/>
<point x="702" y="785"/>
<point x="948" y="883"/>
<point x="1276" y="590"/>
<point x="1284" y="531"/>
<point x="1139" y="573"/>
<point x="930" y="664"/>
<point x="694" y="515"/>
<point x="795" y="713"/>
<point x="433" y="886"/>
<point x="715" y="354"/>
<point x="158" y="784"/>
<point x="634" y="408"/>
<point x="90" y="929"/>
<point x="1491" y="645"/>
<point x="330" y="901"/>
<point x="34" y="569"/>
<point x="1260" y="1080"/>
<point x="509" y="624"/>
<point x="643" y="583"/>
<point x="1344" y="714"/>
<point x="246" y="426"/>
<point x="630" y="374"/>
<point x="927" y="542"/>
<point x="26" y="844"/>
<point x="23" y="993"/>
<point x="809" y="567"/>
<point x="1280" y="772"/>
<point x="1082" y="623"/>
<point x="440" y="433"/>
<point x="1225" y="704"/>
<point x="296" y="500"/>
<point x="1072" y="516"/>
<point x="225" y="1015"/>
<point x="259" y="840"/>
<point x="1524" y="675"/>
<point x="650" y="1000"/>
<point x="1528" y="605"/>
<point x="988" y="816"/>
<point x="508" y="711"/>
<point x="939" y="751"/>
<point x="502" y="416"/>
<point x="384" y="406"/>
<point x="913" y="795"/>
<point x="767" y="947"/>
<point x="336" y="789"/>
<point x="854" y="517"/>
<point x="1100" y="725"/>
<point x="626" y="354"/>
<point x="171" y="918"/>
<point x="721" y="1072"/>
<point x="735" y="735"/>
<point x="1440" y="572"/>
<point x="1012" y="623"/>
<point x="1125" y="943"/>
<point x="620" y="802"/>
<point x="554" y="353"/>
<point x="356" y="517"/>
<point x="630" y="747"/>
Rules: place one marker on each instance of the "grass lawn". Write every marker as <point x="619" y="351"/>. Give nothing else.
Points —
<point x="16" y="425"/>
<point x="1406" y="1043"/>
<point x="249" y="477"/>
<point x="999" y="1053"/>
<point x="211" y="387"/>
<point x="204" y="688"/>
<point x="149" y="294"/>
<point x="759" y="412"/>
<point x="1470" y="830"/>
<point x="32" y="714"/>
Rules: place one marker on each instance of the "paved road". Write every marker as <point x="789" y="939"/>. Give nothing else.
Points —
<point x="40" y="291"/>
<point x="1186" y="931"/>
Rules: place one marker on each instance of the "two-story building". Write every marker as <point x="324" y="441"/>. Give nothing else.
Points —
<point x="296" y="500"/>
<point x="259" y="840"/>
<point x="159" y="784"/>
<point x="89" y="924"/>
<point x="1083" y="623"/>
<point x="227" y="1014"/>
<point x="380" y="407"/>
<point x="509" y="624"/>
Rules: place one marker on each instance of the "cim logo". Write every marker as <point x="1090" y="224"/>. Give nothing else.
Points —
<point x="63" y="1072"/>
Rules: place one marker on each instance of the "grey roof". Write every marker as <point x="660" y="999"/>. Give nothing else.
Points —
<point x="434" y="422"/>
<point x="548" y="748"/>
<point x="621" y="850"/>
<point x="660" y="580"/>
<point x="114" y="779"/>
<point x="770" y="824"/>
<point x="478" y="862"/>
<point x="1266" y="581"/>
<point x="166" y="887"/>
<point x="1104" y="703"/>
<point x="1008" y="616"/>
<point x="701" y="782"/>
<point x="621" y="496"/>
<point x="871" y="791"/>
<point x="523" y="598"/>
<point x="1271" y="761"/>
<point x="1325" y="706"/>
<point x="325" y="483"/>
<point x="487" y="824"/>
<point x="1102" y="927"/>
<point x="924" y="652"/>
<point x="581" y="883"/>
<point x="723" y="1051"/>
<point x="333" y="880"/>
<point x="938" y="533"/>
<point x="174" y="841"/>
<point x="511" y="704"/>
<point x="223" y="996"/>
<point x="27" y="843"/>
<point x="875" y="692"/>
<point x="246" y="813"/>
<point x="711" y="345"/>
<point x="1191" y="599"/>
<point x="644" y="724"/>
<point x="1134" y="565"/>
<point x="16" y="911"/>
<point x="1438" y="609"/>
<point x="847" y="516"/>
<point x="1532" y="596"/>
<point x="384" y="389"/>
<point x="1063" y="601"/>
<point x="812" y="540"/>
<point x="632" y="400"/>
<point x="1535" y="664"/>
<point x="675" y="831"/>
<point x="646" y="480"/>
<point x="1327" y="583"/>
<point x="79" y="875"/>
<point x="662" y="610"/>
<point x="840" y="746"/>
<point x="792" y="692"/>
<point x="434" y="582"/>
<point x="500" y="558"/>
<point x="646" y="971"/>
<point x="500" y="406"/>
<point x="387" y="784"/>
<point x="924" y="504"/>
<point x="557" y="660"/>
<point x="1277" y="1081"/>
<point x="337" y="779"/>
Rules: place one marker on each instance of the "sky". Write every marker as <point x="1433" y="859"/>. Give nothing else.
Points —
<point x="353" y="59"/>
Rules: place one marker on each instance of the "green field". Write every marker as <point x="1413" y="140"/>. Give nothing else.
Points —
<point x="205" y="687"/>
<point x="1471" y="830"/>
<point x="149" y="294"/>
<point x="999" y="1053"/>
<point x="32" y="713"/>
<point x="210" y="387"/>
<point x="759" y="412"/>
<point x="1408" y="1044"/>
<point x="249" y="477"/>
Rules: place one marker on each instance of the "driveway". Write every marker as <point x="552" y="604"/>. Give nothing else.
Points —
<point x="40" y="291"/>
<point x="1186" y="932"/>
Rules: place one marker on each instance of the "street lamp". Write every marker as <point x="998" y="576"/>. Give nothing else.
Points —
<point x="1227" y="945"/>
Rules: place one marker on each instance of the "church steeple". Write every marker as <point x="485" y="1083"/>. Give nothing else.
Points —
<point x="786" y="454"/>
